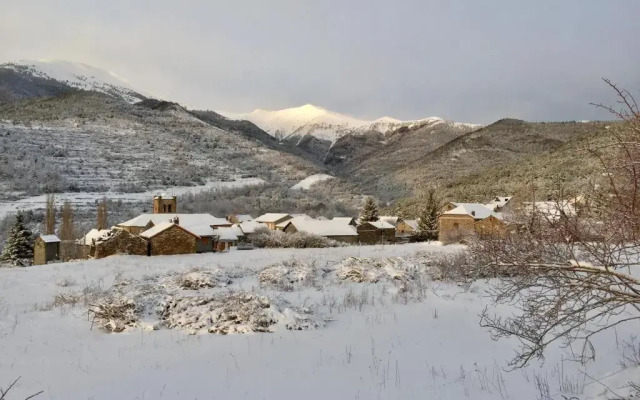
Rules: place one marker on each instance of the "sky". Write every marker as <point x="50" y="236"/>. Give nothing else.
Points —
<point x="470" y="61"/>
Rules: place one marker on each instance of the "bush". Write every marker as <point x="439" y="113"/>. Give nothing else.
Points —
<point x="299" y="240"/>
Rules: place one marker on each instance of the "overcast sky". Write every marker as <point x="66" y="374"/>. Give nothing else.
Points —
<point x="472" y="61"/>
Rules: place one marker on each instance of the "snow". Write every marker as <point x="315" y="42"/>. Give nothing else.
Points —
<point x="159" y="228"/>
<point x="79" y="76"/>
<point x="184" y="220"/>
<point x="322" y="227"/>
<point x="396" y="334"/>
<point x="311" y="180"/>
<point x="381" y="224"/>
<point x="271" y="217"/>
<point x="89" y="199"/>
<point x="322" y="123"/>
<point x="93" y="234"/>
<point x="49" y="238"/>
<point x="475" y="210"/>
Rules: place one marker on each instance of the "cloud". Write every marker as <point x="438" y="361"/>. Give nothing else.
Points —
<point x="462" y="60"/>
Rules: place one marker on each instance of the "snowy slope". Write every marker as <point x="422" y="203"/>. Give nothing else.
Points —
<point x="322" y="123"/>
<point x="309" y="181"/>
<point x="378" y="342"/>
<point x="78" y="76"/>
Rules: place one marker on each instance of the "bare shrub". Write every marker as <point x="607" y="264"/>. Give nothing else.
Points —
<point x="277" y="239"/>
<point x="630" y="353"/>
<point x="287" y="275"/>
<point x="575" y="273"/>
<point x="114" y="314"/>
<point x="222" y="313"/>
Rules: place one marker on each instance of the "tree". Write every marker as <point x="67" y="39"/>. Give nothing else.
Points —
<point x="428" y="223"/>
<point x="18" y="250"/>
<point x="369" y="211"/>
<point x="67" y="229"/>
<point x="102" y="222"/>
<point x="50" y="215"/>
<point x="572" y="275"/>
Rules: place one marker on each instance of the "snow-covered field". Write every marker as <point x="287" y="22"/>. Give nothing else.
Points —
<point x="309" y="181"/>
<point x="83" y="199"/>
<point x="375" y="324"/>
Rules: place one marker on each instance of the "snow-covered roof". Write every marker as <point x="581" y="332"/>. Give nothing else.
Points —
<point x="226" y="234"/>
<point x="498" y="202"/>
<point x="344" y="220"/>
<point x="49" y="238"/>
<point x="249" y="226"/>
<point x="284" y="223"/>
<point x="161" y="227"/>
<point x="476" y="210"/>
<point x="390" y="219"/>
<point x="202" y="230"/>
<point x="381" y="224"/>
<point x="93" y="234"/>
<point x="413" y="223"/>
<point x="272" y="217"/>
<point x="184" y="220"/>
<point x="550" y="209"/>
<point x="323" y="228"/>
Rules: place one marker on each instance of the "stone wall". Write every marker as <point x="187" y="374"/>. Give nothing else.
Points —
<point x="121" y="242"/>
<point x="454" y="228"/>
<point x="173" y="240"/>
<point x="369" y="234"/>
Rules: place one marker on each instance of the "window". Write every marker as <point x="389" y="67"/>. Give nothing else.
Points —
<point x="169" y="207"/>
<point x="455" y="225"/>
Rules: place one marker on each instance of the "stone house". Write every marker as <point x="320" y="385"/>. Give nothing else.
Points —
<point x="119" y="241"/>
<point x="46" y="248"/>
<point x="144" y="222"/>
<point x="271" y="220"/>
<point x="168" y="238"/>
<point x="373" y="232"/>
<point x="407" y="227"/>
<point x="331" y="229"/>
<point x="468" y="220"/>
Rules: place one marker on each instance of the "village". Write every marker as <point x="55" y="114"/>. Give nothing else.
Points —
<point x="165" y="231"/>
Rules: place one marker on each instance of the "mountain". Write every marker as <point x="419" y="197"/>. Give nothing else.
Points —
<point x="28" y="79"/>
<point x="311" y="121"/>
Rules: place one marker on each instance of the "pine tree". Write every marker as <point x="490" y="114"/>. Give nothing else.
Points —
<point x="18" y="250"/>
<point x="428" y="223"/>
<point x="369" y="211"/>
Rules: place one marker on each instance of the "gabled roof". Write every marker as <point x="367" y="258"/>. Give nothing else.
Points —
<point x="161" y="227"/>
<point x="390" y="219"/>
<point x="413" y="223"/>
<point x="475" y="210"/>
<point x="284" y="223"/>
<point x="50" y="238"/>
<point x="380" y="224"/>
<point x="326" y="228"/>
<point x="250" y="226"/>
<point x="184" y="220"/>
<point x="345" y="220"/>
<point x="226" y="234"/>
<point x="202" y="230"/>
<point x="272" y="217"/>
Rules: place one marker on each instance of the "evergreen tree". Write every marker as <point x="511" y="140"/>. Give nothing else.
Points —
<point x="428" y="223"/>
<point x="18" y="250"/>
<point x="369" y="211"/>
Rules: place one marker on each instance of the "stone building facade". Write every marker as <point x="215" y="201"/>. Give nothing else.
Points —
<point x="46" y="248"/>
<point x="376" y="232"/>
<point x="169" y="239"/>
<point x="120" y="242"/>
<point x="165" y="205"/>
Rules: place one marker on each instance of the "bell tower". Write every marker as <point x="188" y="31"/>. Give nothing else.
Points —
<point x="165" y="204"/>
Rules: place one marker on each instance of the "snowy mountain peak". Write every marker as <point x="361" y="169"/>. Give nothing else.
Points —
<point x="318" y="122"/>
<point x="78" y="76"/>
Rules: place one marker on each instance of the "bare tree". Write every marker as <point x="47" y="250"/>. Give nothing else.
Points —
<point x="571" y="270"/>
<point x="102" y="221"/>
<point x="67" y="228"/>
<point x="50" y="214"/>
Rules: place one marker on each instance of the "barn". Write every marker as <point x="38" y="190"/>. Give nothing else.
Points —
<point x="46" y="248"/>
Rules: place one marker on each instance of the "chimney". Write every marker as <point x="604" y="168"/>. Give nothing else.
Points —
<point x="175" y="220"/>
<point x="473" y="213"/>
